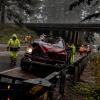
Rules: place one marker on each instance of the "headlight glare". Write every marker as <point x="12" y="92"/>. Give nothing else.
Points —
<point x="29" y="50"/>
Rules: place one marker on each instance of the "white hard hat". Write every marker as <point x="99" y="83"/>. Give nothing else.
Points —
<point x="14" y="35"/>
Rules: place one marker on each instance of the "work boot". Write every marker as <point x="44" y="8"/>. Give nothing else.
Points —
<point x="11" y="61"/>
<point x="14" y="61"/>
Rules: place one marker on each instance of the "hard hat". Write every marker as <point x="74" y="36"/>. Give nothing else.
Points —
<point x="14" y="35"/>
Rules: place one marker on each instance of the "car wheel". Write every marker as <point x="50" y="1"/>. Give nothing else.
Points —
<point x="24" y="65"/>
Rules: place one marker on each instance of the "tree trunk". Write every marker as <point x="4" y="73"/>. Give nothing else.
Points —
<point x="2" y="20"/>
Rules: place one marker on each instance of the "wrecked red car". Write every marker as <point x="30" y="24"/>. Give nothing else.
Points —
<point x="43" y="53"/>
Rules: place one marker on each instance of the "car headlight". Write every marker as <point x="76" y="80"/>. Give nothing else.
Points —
<point x="29" y="50"/>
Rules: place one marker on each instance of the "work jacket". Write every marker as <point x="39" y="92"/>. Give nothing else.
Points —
<point x="73" y="49"/>
<point x="82" y="49"/>
<point x="14" y="44"/>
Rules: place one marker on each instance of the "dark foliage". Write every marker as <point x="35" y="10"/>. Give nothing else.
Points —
<point x="89" y="37"/>
<point x="77" y="3"/>
<point x="13" y="8"/>
<point x="97" y="2"/>
<point x="95" y="15"/>
<point x="89" y="2"/>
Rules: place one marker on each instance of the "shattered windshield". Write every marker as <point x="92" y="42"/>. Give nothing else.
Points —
<point x="55" y="41"/>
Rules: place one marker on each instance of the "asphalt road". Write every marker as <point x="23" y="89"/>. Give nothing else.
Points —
<point x="5" y="60"/>
<point x="4" y="57"/>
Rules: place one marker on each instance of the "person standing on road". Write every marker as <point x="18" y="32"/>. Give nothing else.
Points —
<point x="73" y="51"/>
<point x="81" y="49"/>
<point x="28" y="39"/>
<point x="68" y="51"/>
<point x="13" y="47"/>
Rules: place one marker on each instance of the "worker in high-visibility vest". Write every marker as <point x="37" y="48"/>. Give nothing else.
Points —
<point x="73" y="51"/>
<point x="13" y="47"/>
<point x="28" y="39"/>
<point x="82" y="49"/>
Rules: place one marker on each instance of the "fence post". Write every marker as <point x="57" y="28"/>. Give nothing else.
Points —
<point x="75" y="77"/>
<point x="62" y="83"/>
<point x="79" y="70"/>
<point x="50" y="92"/>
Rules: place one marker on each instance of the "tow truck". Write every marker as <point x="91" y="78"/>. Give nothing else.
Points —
<point x="16" y="84"/>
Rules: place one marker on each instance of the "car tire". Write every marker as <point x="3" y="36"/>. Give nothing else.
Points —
<point x="24" y="65"/>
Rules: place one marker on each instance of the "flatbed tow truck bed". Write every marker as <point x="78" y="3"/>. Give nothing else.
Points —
<point x="18" y="84"/>
<point x="17" y="73"/>
<point x="13" y="84"/>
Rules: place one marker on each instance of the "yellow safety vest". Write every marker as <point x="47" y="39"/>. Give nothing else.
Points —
<point x="73" y="49"/>
<point x="14" y="44"/>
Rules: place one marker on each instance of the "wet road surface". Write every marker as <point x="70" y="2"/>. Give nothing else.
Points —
<point x="4" y="57"/>
<point x="5" y="60"/>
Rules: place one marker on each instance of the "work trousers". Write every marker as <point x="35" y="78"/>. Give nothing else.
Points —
<point x="13" y="54"/>
<point x="72" y="59"/>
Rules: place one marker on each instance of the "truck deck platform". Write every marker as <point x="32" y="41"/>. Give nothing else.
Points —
<point x="17" y="72"/>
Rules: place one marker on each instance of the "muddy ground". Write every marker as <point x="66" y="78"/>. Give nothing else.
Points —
<point x="88" y="88"/>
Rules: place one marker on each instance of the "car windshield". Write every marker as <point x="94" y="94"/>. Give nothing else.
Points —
<point x="55" y="41"/>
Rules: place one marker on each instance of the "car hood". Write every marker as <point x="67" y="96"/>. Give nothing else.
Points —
<point x="51" y="48"/>
<point x="47" y="47"/>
